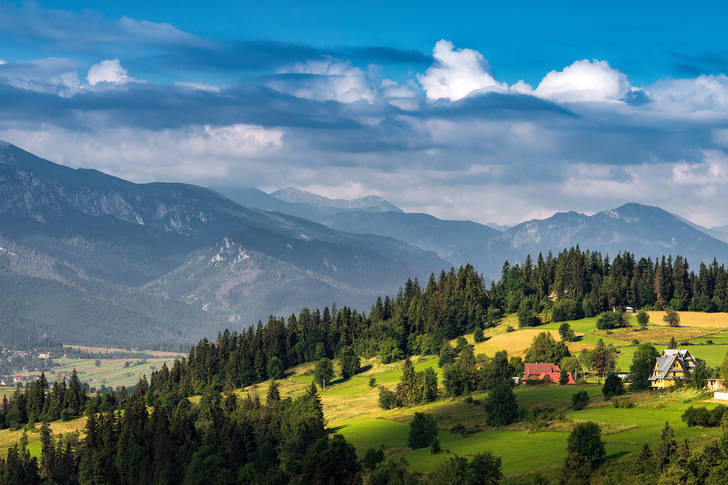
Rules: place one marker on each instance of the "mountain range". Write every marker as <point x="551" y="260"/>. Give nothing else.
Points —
<point x="89" y="258"/>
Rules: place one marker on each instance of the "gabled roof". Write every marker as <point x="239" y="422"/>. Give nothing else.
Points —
<point x="664" y="362"/>
<point x="539" y="368"/>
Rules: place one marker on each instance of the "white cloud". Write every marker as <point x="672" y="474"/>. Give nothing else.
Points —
<point x="703" y="93"/>
<point x="51" y="75"/>
<point x="196" y="154"/>
<point x="457" y="73"/>
<point x="403" y="96"/>
<point x="325" y="80"/>
<point x="198" y="86"/>
<point x="108" y="71"/>
<point x="2" y="62"/>
<point x="585" y="81"/>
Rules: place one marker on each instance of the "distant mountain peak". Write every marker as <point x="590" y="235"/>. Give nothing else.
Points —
<point x="371" y="203"/>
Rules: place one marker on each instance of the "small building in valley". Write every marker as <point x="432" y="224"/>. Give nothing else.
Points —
<point x="544" y="372"/>
<point x="716" y="385"/>
<point x="673" y="365"/>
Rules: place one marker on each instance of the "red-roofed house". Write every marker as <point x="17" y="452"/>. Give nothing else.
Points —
<point x="544" y="372"/>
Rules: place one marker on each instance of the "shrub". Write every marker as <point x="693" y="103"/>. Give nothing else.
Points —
<point x="435" y="447"/>
<point x="501" y="406"/>
<point x="478" y="335"/>
<point x="611" y="320"/>
<point x="447" y="355"/>
<point x="372" y="458"/>
<point x="389" y="351"/>
<point x="643" y="318"/>
<point x="423" y="429"/>
<point x="275" y="368"/>
<point x="704" y="417"/>
<point x="567" y="334"/>
<point x="349" y="362"/>
<point x="579" y="400"/>
<point x="387" y="398"/>
<point x="586" y="439"/>
<point x="372" y="381"/>
<point x="566" y="309"/>
<point x="510" y="329"/>
<point x="527" y="318"/>
<point x="612" y="386"/>
<point x="672" y="317"/>
<point x="625" y="403"/>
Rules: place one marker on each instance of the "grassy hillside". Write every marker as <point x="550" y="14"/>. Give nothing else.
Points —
<point x="351" y="406"/>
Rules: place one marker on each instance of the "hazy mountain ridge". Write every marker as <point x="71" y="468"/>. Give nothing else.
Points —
<point x="370" y="203"/>
<point x="641" y="229"/>
<point x="459" y="242"/>
<point x="102" y="240"/>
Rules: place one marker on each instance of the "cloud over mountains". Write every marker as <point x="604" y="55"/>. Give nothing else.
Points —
<point x="437" y="132"/>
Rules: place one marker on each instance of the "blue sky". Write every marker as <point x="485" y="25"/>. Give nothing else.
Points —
<point x="483" y="111"/>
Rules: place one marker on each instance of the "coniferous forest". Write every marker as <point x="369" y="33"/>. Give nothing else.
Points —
<point x="154" y="434"/>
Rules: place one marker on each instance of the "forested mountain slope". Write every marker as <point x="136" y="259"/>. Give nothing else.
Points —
<point x="115" y="247"/>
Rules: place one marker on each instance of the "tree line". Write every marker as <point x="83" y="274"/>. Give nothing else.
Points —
<point x="41" y="402"/>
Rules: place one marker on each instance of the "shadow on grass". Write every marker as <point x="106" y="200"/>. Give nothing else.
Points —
<point x="336" y="429"/>
<point x="619" y="454"/>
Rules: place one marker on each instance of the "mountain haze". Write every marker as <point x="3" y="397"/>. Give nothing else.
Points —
<point x="369" y="203"/>
<point x="641" y="229"/>
<point x="100" y="246"/>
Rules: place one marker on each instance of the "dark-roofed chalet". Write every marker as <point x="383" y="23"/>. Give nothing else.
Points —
<point x="672" y="365"/>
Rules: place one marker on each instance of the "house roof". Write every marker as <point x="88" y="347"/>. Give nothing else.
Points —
<point x="666" y="360"/>
<point x="539" y="368"/>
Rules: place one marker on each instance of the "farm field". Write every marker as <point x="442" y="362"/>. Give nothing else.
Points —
<point x="110" y="372"/>
<point x="9" y="437"/>
<point x="6" y="391"/>
<point x="160" y="354"/>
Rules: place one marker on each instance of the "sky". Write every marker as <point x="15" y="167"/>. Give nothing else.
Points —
<point x="490" y="112"/>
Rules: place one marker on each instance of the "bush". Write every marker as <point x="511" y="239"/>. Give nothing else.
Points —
<point x="501" y="406"/>
<point x="372" y="381"/>
<point x="643" y="318"/>
<point x="478" y="335"/>
<point x="704" y="417"/>
<point x="527" y="318"/>
<point x="389" y="351"/>
<point x="611" y="320"/>
<point x="372" y="458"/>
<point x="387" y="398"/>
<point x="625" y="403"/>
<point x="672" y="317"/>
<point x="349" y="363"/>
<point x="435" y="447"/>
<point x="586" y="439"/>
<point x="579" y="400"/>
<point x="566" y="309"/>
<point x="567" y="334"/>
<point x="447" y="355"/>
<point x="612" y="386"/>
<point x="423" y="429"/>
<point x="275" y="368"/>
